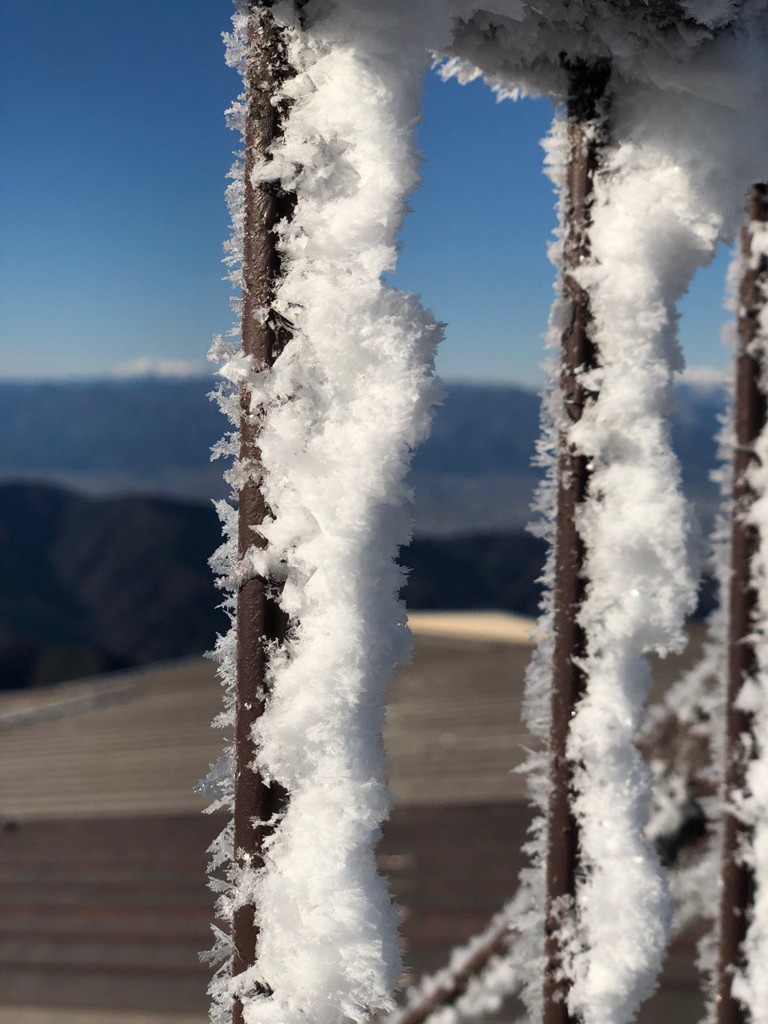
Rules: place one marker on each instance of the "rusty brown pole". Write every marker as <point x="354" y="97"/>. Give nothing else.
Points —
<point x="750" y="418"/>
<point x="588" y="82"/>
<point x="259" y="619"/>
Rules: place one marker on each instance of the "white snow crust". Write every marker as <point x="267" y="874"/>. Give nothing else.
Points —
<point x="349" y="398"/>
<point x="664" y="198"/>
<point x="338" y="414"/>
<point x="750" y="985"/>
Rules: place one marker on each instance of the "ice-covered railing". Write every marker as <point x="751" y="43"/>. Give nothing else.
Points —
<point x="659" y="131"/>
<point x="742" y="974"/>
<point x="328" y="406"/>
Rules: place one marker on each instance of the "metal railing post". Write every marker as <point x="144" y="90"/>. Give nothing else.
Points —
<point x="259" y="619"/>
<point x="750" y="418"/>
<point x="586" y="110"/>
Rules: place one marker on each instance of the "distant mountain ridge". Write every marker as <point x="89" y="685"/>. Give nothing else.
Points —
<point x="91" y="585"/>
<point x="152" y="436"/>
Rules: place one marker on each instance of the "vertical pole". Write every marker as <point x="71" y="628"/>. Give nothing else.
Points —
<point x="259" y="619"/>
<point x="586" y="109"/>
<point x="750" y="418"/>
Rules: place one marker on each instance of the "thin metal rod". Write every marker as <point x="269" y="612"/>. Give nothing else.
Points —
<point x="586" y="112"/>
<point x="750" y="417"/>
<point x="501" y="937"/>
<point x="456" y="978"/>
<point x="259" y="619"/>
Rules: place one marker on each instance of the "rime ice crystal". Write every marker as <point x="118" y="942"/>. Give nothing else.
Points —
<point x="339" y="413"/>
<point x="350" y="396"/>
<point x="751" y="984"/>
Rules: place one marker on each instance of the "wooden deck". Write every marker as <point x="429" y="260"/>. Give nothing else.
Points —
<point x="103" y="905"/>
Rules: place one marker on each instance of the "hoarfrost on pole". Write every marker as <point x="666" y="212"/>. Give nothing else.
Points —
<point x="750" y="982"/>
<point x="339" y="413"/>
<point x="661" y="207"/>
<point x="349" y="396"/>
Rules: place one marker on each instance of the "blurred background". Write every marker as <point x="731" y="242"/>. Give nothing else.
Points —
<point x="115" y="157"/>
<point x="106" y="521"/>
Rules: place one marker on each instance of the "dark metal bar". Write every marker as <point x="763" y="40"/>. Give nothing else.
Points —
<point x="750" y="418"/>
<point x="586" y="113"/>
<point x="500" y="937"/>
<point x="457" y="979"/>
<point x="259" y="619"/>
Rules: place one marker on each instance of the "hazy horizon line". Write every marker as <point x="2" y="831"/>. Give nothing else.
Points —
<point x="170" y="371"/>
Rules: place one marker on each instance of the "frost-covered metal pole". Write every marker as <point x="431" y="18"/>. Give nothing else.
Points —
<point x="339" y="367"/>
<point x="259" y="619"/>
<point x="586" y="101"/>
<point x="750" y="420"/>
<point x="447" y="988"/>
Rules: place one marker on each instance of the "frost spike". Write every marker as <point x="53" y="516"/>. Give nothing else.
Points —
<point x="750" y="419"/>
<point x="586" y="93"/>
<point x="259" y="619"/>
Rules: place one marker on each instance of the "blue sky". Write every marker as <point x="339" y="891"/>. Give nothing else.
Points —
<point x="115" y="154"/>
